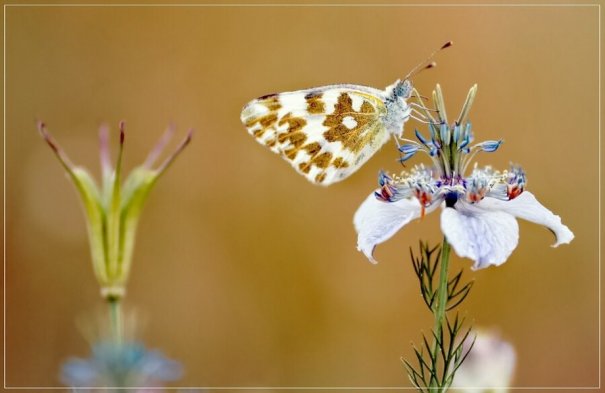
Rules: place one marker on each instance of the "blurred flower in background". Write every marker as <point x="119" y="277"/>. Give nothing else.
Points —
<point x="127" y="364"/>
<point x="489" y="367"/>
<point x="113" y="210"/>
<point x="118" y="361"/>
<point x="112" y="213"/>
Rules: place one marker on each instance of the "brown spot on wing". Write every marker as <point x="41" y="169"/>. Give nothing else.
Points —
<point x="322" y="160"/>
<point x="293" y="138"/>
<point x="366" y="107"/>
<point x="352" y="139"/>
<point x="295" y="124"/>
<point x="296" y="140"/>
<point x="339" y="162"/>
<point x="305" y="167"/>
<point x="290" y="154"/>
<point x="266" y="120"/>
<point x="271" y="102"/>
<point x="314" y="103"/>
<point x="271" y="95"/>
<point x="312" y="148"/>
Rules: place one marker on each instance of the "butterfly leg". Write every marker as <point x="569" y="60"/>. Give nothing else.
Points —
<point x="418" y="116"/>
<point x="419" y="104"/>
<point x="423" y="107"/>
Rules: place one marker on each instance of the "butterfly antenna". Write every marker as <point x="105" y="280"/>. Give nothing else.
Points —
<point x="425" y="64"/>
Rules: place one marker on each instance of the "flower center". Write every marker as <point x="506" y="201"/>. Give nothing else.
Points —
<point x="449" y="148"/>
<point x="451" y="198"/>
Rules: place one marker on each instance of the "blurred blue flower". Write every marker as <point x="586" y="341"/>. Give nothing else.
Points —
<point x="127" y="364"/>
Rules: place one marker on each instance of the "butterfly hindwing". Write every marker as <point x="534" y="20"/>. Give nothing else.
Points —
<point x="325" y="133"/>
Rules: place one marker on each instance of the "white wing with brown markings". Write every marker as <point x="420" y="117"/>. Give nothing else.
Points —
<point x="325" y="133"/>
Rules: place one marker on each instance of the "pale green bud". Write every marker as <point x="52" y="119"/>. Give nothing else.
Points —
<point x="113" y="210"/>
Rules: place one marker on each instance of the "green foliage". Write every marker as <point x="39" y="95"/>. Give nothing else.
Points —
<point x="425" y="267"/>
<point x="443" y="351"/>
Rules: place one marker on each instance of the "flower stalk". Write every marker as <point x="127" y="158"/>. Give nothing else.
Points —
<point x="442" y="292"/>
<point x="116" y="320"/>
<point x="441" y="354"/>
<point x="443" y="284"/>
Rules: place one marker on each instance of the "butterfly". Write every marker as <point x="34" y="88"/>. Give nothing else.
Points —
<point x="327" y="133"/>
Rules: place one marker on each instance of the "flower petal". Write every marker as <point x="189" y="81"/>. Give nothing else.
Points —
<point x="376" y="221"/>
<point x="489" y="366"/>
<point x="527" y="207"/>
<point x="486" y="237"/>
<point x="135" y="192"/>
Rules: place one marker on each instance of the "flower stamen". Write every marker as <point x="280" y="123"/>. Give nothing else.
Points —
<point x="515" y="182"/>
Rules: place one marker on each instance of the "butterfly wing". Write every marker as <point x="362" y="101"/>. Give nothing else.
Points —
<point x="325" y="133"/>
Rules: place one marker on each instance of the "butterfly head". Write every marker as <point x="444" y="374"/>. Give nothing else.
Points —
<point x="403" y="89"/>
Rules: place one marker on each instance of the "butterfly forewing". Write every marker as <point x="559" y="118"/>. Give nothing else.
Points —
<point x="325" y="133"/>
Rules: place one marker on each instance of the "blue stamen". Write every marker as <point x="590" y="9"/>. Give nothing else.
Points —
<point x="466" y="137"/>
<point x="456" y="133"/>
<point x="383" y="178"/>
<point x="465" y="142"/>
<point x="490" y="146"/>
<point x="408" y="149"/>
<point x="433" y="130"/>
<point x="444" y="131"/>
<point x="420" y="137"/>
<point x="468" y="129"/>
<point x="387" y="190"/>
<point x="517" y="176"/>
<point x="436" y="143"/>
<point x="380" y="197"/>
<point x="406" y="157"/>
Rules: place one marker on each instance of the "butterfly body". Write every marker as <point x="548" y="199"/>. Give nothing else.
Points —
<point x="327" y="133"/>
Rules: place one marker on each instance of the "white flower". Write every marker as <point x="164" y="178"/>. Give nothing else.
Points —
<point x="479" y="212"/>
<point x="489" y="366"/>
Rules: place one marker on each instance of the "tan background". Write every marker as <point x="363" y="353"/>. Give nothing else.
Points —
<point x="244" y="271"/>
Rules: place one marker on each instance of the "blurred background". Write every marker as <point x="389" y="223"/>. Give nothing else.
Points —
<point x="244" y="271"/>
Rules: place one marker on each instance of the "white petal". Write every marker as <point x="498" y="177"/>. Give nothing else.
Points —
<point x="486" y="237"/>
<point x="376" y="221"/>
<point x="527" y="207"/>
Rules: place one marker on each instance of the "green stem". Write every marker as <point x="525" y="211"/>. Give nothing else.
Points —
<point x="115" y="319"/>
<point x="439" y="312"/>
<point x="442" y="290"/>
